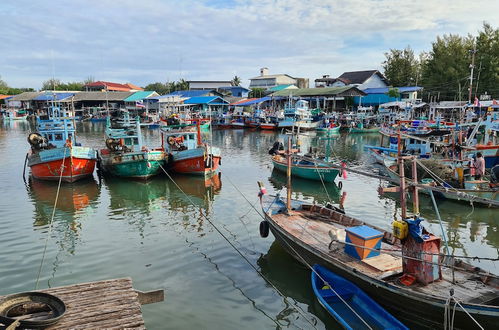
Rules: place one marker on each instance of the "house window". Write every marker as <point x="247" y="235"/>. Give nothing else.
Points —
<point x="58" y="137"/>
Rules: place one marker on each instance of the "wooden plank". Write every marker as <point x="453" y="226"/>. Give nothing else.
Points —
<point x="98" y="305"/>
<point x="384" y="262"/>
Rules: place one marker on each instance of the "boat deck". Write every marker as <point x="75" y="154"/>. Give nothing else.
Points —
<point x="320" y="232"/>
<point x="109" y="304"/>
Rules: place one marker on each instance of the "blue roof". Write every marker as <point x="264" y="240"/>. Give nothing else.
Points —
<point x="212" y="100"/>
<point x="263" y="99"/>
<point x="53" y="96"/>
<point x="234" y="87"/>
<point x="384" y="90"/>
<point x="140" y="95"/>
<point x="194" y="93"/>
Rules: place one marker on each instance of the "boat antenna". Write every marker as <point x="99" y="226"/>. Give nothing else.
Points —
<point x="288" y="200"/>
<point x="472" y="66"/>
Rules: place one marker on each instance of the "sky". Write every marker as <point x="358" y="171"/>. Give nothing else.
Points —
<point x="146" y="41"/>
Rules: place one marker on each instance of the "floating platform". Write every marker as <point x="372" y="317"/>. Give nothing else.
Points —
<point x="103" y="305"/>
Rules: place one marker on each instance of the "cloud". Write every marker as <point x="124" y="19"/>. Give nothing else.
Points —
<point x="154" y="40"/>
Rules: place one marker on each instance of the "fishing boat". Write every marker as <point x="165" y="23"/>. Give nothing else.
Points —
<point x="348" y="304"/>
<point x="403" y="269"/>
<point x="302" y="168"/>
<point x="187" y="153"/>
<point x="16" y="115"/>
<point x="360" y="128"/>
<point x="328" y="127"/>
<point x="269" y="123"/>
<point x="55" y="153"/>
<point x="126" y="155"/>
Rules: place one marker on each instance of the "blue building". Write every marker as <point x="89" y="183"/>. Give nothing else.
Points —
<point x="236" y="91"/>
<point x="377" y="96"/>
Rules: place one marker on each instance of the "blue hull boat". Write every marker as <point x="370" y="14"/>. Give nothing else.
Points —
<point x="335" y="292"/>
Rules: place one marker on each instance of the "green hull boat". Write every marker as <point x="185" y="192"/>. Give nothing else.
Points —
<point x="137" y="165"/>
<point x="305" y="170"/>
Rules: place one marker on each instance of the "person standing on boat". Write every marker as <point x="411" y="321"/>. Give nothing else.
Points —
<point x="479" y="164"/>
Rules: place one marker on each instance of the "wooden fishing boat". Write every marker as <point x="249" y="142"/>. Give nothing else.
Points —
<point x="305" y="169"/>
<point x="54" y="149"/>
<point x="187" y="154"/>
<point x="404" y="270"/>
<point x="16" y="115"/>
<point x="304" y="231"/>
<point x="329" y="130"/>
<point x="348" y="304"/>
<point x="475" y="191"/>
<point x="126" y="155"/>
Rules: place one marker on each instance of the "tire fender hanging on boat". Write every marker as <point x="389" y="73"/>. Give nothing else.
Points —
<point x="264" y="229"/>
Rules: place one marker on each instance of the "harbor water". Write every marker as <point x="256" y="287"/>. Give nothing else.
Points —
<point x="160" y="232"/>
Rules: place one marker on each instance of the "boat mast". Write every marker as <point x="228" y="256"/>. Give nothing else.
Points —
<point x="288" y="200"/>
<point x="472" y="66"/>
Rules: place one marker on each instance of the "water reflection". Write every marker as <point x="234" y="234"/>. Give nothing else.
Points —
<point x="293" y="280"/>
<point x="72" y="201"/>
<point x="307" y="190"/>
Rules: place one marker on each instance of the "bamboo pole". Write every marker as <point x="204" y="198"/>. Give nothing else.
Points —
<point x="288" y="201"/>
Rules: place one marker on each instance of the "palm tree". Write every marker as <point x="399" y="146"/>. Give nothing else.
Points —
<point x="236" y="81"/>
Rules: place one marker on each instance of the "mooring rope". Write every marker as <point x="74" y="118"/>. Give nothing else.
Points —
<point x="51" y="219"/>
<point x="239" y="252"/>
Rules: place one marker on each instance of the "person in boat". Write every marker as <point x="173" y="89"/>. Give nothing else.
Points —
<point x="479" y="165"/>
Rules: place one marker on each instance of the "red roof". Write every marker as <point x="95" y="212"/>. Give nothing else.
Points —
<point x="243" y="101"/>
<point x="4" y="96"/>
<point x="113" y="86"/>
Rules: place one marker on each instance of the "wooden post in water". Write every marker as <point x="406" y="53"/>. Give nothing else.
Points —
<point x="415" y="200"/>
<point x="402" y="188"/>
<point x="288" y="200"/>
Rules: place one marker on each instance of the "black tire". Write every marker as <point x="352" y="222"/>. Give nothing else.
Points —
<point x="264" y="228"/>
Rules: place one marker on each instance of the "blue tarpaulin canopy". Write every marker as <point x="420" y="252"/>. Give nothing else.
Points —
<point x="52" y="96"/>
<point x="263" y="99"/>
<point x="210" y="100"/>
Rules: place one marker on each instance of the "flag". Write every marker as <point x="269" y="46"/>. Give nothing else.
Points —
<point x="494" y="102"/>
<point x="477" y="102"/>
<point x="139" y="104"/>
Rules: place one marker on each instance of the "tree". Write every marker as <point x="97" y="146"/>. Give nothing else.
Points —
<point x="393" y="92"/>
<point x="51" y="84"/>
<point x="236" y="81"/>
<point x="487" y="61"/>
<point x="446" y="68"/>
<point x="401" y="67"/>
<point x="158" y="87"/>
<point x="257" y="92"/>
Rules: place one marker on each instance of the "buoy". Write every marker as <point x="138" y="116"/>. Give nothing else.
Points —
<point x="264" y="228"/>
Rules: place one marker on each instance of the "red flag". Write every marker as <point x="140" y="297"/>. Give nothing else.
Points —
<point x="494" y="102"/>
<point x="343" y="171"/>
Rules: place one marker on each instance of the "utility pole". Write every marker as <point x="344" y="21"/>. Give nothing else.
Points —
<point x="472" y="66"/>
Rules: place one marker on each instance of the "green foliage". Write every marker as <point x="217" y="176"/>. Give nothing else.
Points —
<point x="6" y="90"/>
<point x="447" y="66"/>
<point x="393" y="92"/>
<point x="444" y="70"/>
<point x="257" y="92"/>
<point x="401" y="67"/>
<point x="236" y="81"/>
<point x="56" y="84"/>
<point x="168" y="87"/>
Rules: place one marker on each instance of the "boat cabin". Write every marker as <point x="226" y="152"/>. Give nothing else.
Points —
<point x="179" y="140"/>
<point x="58" y="128"/>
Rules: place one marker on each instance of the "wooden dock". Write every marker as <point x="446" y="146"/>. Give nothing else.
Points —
<point x="109" y="304"/>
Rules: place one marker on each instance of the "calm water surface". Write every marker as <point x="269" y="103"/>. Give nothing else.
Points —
<point x="157" y="233"/>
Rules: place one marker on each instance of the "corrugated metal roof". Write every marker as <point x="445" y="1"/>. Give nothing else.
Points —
<point x="140" y="96"/>
<point x="384" y="90"/>
<point x="101" y="96"/>
<point x="213" y="100"/>
<point x="26" y="96"/>
<point x="329" y="91"/>
<point x="51" y="96"/>
<point x="234" y="87"/>
<point x="271" y="76"/>
<point x="359" y="77"/>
